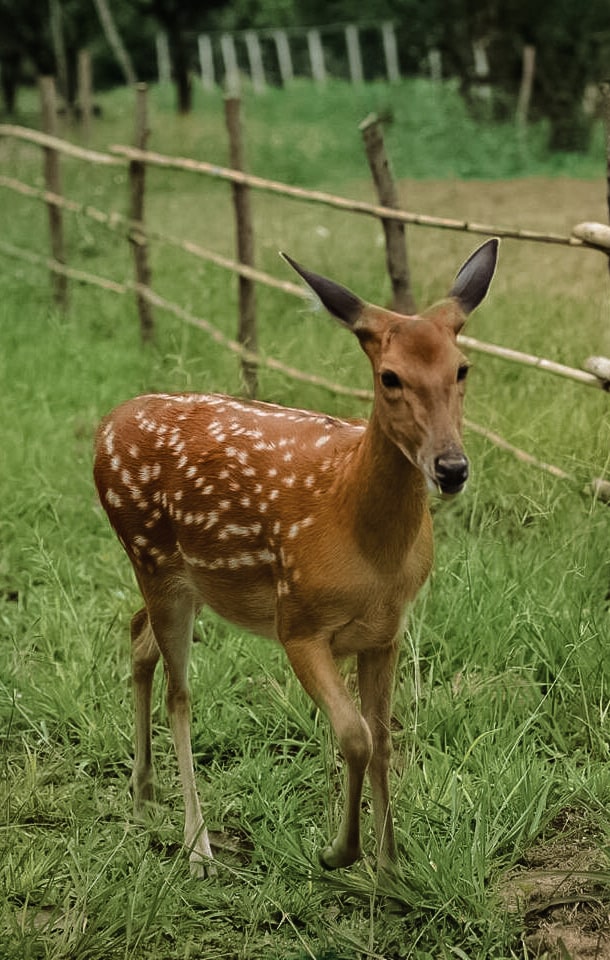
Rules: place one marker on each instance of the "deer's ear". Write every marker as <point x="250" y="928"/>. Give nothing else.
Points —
<point x="475" y="276"/>
<point x="338" y="300"/>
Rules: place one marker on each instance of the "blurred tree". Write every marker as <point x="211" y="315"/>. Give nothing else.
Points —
<point x="25" y="36"/>
<point x="570" y="38"/>
<point x="48" y="37"/>
<point x="113" y="36"/>
<point x="179" y="19"/>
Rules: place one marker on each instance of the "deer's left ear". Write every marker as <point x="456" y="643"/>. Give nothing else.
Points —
<point x="338" y="300"/>
<point x="475" y="275"/>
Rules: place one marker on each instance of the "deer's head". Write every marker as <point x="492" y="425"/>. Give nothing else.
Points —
<point x="419" y="370"/>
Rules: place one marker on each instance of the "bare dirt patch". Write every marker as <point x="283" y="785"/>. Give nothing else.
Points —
<point x="562" y="890"/>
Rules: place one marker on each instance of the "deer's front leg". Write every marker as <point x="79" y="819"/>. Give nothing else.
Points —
<point x="376" y="670"/>
<point x="315" y="667"/>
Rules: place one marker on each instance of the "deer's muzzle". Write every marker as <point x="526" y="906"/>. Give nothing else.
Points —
<point x="451" y="472"/>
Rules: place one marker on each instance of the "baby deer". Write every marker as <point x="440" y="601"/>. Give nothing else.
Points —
<point x="308" y="529"/>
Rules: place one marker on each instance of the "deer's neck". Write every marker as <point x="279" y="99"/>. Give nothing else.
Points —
<point x="387" y="497"/>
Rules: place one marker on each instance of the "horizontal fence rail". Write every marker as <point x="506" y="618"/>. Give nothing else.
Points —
<point x="598" y="487"/>
<point x="120" y="154"/>
<point x="340" y="203"/>
<point x="139" y="234"/>
<point x="133" y="230"/>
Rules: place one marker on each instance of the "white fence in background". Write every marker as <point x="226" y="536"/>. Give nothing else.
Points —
<point x="226" y="47"/>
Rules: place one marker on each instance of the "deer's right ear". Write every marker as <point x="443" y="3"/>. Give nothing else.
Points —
<point x="338" y="300"/>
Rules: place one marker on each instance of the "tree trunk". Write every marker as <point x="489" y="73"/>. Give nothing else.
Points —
<point x="182" y="75"/>
<point x="570" y="129"/>
<point x="9" y="78"/>
<point x="114" y="41"/>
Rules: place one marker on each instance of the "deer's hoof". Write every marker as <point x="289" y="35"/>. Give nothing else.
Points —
<point x="202" y="868"/>
<point x="334" y="856"/>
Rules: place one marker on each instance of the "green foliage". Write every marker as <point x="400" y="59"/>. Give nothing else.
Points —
<point x="501" y="709"/>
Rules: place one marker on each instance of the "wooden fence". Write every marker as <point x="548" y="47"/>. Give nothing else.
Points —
<point x="137" y="159"/>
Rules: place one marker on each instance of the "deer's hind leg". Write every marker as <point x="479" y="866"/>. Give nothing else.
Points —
<point x="171" y="616"/>
<point x="145" y="655"/>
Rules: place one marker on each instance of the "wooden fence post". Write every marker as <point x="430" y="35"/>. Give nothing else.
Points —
<point x="395" y="240"/>
<point x="52" y="181"/>
<point x="206" y="62"/>
<point x="528" y="68"/>
<point x="229" y="56"/>
<point x="247" y="333"/>
<point x="284" y="57"/>
<point x="390" y="51"/>
<point x="435" y="64"/>
<point x="59" y="50"/>
<point x="353" y="54"/>
<point x="85" y="90"/>
<point x="137" y="237"/>
<point x="604" y="89"/>
<point x="115" y="41"/>
<point x="164" y="63"/>
<point x="255" y="58"/>
<point x="316" y="56"/>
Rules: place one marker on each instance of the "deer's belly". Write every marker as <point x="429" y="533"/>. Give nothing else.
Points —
<point x="247" y="602"/>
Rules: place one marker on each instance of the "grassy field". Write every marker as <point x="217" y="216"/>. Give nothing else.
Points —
<point x="501" y="772"/>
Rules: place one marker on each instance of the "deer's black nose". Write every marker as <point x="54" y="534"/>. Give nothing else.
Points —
<point x="451" y="472"/>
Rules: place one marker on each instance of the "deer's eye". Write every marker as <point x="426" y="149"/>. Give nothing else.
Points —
<point x="462" y="372"/>
<point x="390" y="380"/>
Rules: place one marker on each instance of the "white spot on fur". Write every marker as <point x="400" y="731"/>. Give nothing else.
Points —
<point x="212" y="520"/>
<point x="113" y="499"/>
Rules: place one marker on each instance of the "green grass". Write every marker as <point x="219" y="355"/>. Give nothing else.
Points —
<point x="501" y="710"/>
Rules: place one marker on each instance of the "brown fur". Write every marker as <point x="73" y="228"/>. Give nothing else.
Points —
<point x="307" y="529"/>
